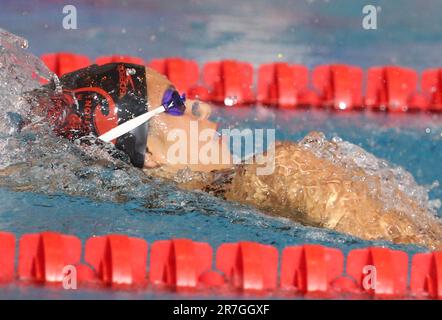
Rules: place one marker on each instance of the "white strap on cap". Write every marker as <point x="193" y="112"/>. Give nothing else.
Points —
<point x="130" y="125"/>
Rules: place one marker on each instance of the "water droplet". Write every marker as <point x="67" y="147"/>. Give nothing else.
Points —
<point x="230" y="101"/>
<point x="342" y="105"/>
<point x="25" y="44"/>
<point x="130" y="71"/>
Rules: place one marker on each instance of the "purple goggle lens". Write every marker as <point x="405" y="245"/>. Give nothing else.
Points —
<point x="173" y="102"/>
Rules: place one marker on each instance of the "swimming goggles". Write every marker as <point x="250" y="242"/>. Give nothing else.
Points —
<point x="172" y="103"/>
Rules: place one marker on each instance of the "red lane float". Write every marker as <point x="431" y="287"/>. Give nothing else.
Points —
<point x="43" y="256"/>
<point x="426" y="275"/>
<point x="339" y="86"/>
<point x="249" y="266"/>
<point x="7" y="256"/>
<point x="229" y="82"/>
<point x="393" y="89"/>
<point x="184" y="74"/>
<point x="182" y="264"/>
<point x="310" y="268"/>
<point x="379" y="271"/>
<point x="282" y="85"/>
<point x="64" y="62"/>
<point x="431" y="84"/>
<point x="118" y="260"/>
<point x="119" y="58"/>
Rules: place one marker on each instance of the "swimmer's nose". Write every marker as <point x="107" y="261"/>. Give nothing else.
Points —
<point x="196" y="109"/>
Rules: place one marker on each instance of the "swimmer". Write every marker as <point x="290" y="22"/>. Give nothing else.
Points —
<point x="303" y="186"/>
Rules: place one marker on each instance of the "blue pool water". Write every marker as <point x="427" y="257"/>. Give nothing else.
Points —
<point x="308" y="32"/>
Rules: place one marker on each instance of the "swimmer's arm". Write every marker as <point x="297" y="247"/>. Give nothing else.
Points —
<point x="319" y="193"/>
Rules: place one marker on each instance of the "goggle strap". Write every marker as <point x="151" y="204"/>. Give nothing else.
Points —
<point x="129" y="125"/>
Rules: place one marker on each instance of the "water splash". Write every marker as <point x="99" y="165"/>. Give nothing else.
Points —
<point x="33" y="158"/>
<point x="20" y="71"/>
<point x="391" y="177"/>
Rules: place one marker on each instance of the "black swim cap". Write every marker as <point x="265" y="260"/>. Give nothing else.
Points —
<point x="99" y="98"/>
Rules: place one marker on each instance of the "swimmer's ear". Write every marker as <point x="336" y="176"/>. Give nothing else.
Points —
<point x="199" y="109"/>
<point x="149" y="163"/>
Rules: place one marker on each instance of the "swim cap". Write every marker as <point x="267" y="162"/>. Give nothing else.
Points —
<point x="98" y="98"/>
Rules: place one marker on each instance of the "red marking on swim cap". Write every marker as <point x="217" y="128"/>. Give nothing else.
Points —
<point x="74" y="122"/>
<point x="103" y="123"/>
<point x="124" y="80"/>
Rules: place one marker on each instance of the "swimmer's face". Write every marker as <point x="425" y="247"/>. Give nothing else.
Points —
<point x="169" y="133"/>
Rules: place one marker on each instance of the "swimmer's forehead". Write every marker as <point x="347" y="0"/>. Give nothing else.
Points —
<point x="157" y="84"/>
